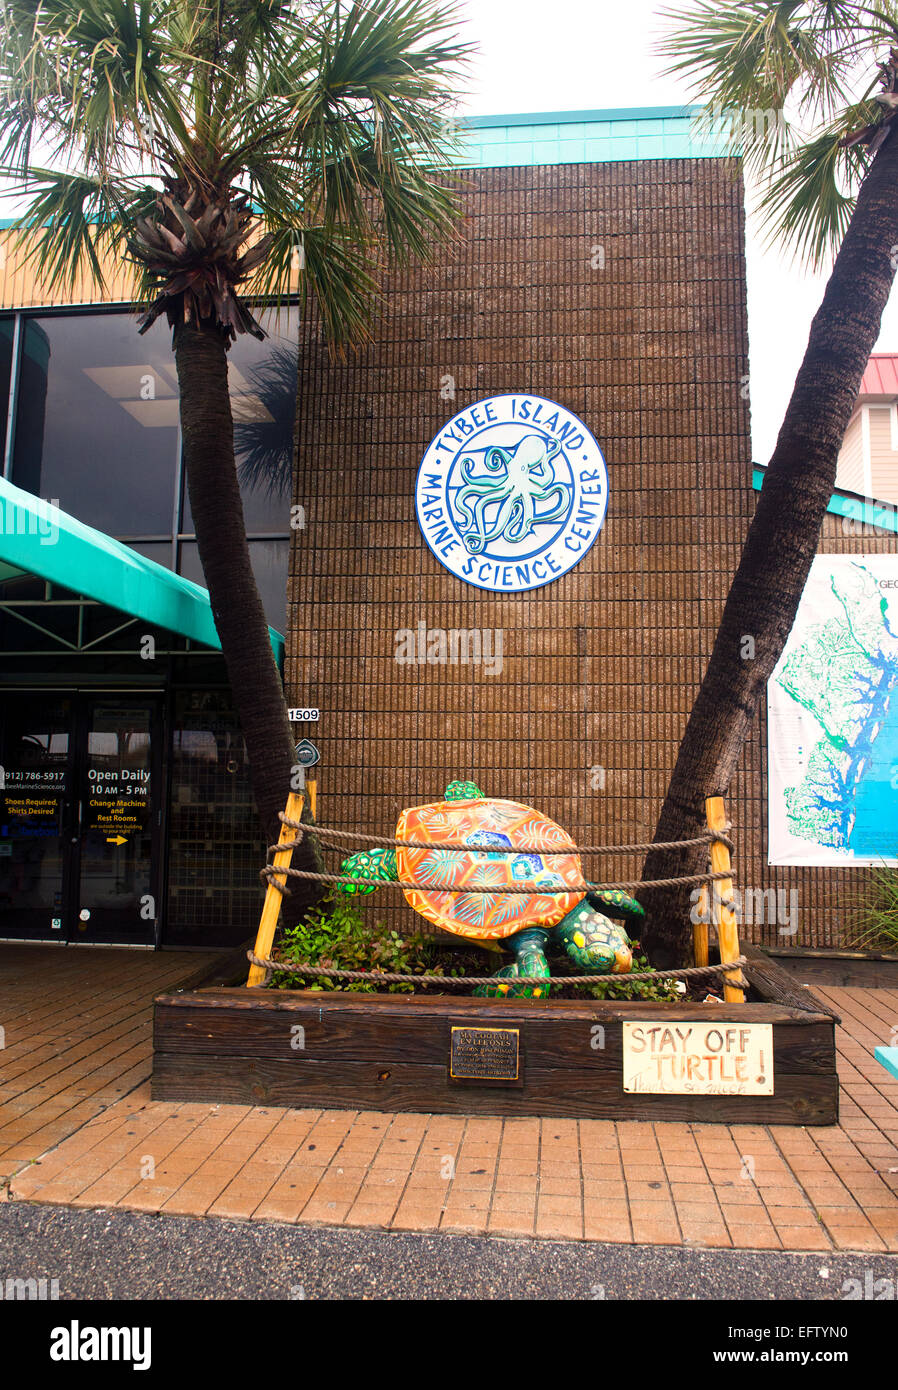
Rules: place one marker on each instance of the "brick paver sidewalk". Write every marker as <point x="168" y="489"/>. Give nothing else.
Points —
<point x="77" y="1035"/>
<point x="753" y="1187"/>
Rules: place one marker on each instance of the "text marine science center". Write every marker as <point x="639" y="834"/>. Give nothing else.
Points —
<point x="493" y="546"/>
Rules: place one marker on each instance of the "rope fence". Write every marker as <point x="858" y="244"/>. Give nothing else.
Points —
<point x="270" y="873"/>
<point x="387" y="842"/>
<point x="326" y="836"/>
<point x="716" y="837"/>
<point x="389" y="978"/>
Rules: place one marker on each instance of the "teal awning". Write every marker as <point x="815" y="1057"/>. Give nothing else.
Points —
<point x="39" y="539"/>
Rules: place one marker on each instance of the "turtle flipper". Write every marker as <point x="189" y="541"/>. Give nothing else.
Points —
<point x="619" y="906"/>
<point x="530" y="959"/>
<point x="368" y="863"/>
<point x="595" y="944"/>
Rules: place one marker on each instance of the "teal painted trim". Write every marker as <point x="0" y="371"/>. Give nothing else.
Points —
<point x="38" y="538"/>
<point x="587" y="138"/>
<point x="865" y="511"/>
<point x="611" y="113"/>
<point x="889" y="1058"/>
<point x="579" y="137"/>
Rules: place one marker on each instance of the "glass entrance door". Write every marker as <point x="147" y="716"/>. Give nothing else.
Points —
<point x="36" y="814"/>
<point x="117" y="820"/>
<point x="79" y="817"/>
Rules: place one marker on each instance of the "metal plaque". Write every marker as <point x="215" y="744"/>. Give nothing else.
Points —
<point x="307" y="754"/>
<point x="484" y="1054"/>
<point x="698" y="1058"/>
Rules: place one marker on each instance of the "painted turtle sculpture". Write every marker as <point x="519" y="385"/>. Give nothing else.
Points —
<point x="525" y="922"/>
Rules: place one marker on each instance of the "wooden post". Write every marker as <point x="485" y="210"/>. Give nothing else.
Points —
<point x="312" y="786"/>
<point x="721" y="893"/>
<point x="700" y="928"/>
<point x="271" y="908"/>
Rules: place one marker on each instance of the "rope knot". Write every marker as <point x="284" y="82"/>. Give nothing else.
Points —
<point x="269" y="875"/>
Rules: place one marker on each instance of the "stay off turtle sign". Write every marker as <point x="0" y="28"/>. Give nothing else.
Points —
<point x="685" y="1058"/>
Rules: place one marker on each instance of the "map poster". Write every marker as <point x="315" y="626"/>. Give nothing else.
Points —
<point x="832" y="719"/>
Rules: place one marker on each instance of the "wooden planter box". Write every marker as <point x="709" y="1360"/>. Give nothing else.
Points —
<point x="392" y="1053"/>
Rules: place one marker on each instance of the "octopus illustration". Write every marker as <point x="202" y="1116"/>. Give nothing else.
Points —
<point x="518" y="482"/>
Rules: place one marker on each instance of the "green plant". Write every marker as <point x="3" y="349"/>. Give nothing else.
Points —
<point x="661" y="990"/>
<point x="336" y="935"/>
<point x="877" y="912"/>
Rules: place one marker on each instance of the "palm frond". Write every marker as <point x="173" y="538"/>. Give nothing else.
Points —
<point x="243" y="126"/>
<point x="815" y="68"/>
<point x="334" y="271"/>
<point x="809" y="199"/>
<point x="75" y="223"/>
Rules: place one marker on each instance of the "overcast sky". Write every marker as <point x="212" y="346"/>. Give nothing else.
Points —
<point x="573" y="55"/>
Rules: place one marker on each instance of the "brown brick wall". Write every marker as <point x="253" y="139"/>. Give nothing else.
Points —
<point x="601" y="666"/>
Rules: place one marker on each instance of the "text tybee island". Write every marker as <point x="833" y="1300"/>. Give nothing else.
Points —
<point x="511" y="493"/>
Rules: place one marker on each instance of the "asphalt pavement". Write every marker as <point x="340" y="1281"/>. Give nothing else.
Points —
<point x="115" y="1254"/>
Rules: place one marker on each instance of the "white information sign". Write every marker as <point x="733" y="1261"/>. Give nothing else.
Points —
<point x="698" y="1058"/>
<point x="512" y="493"/>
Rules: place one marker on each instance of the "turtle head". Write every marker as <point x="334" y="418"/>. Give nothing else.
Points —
<point x="593" y="942"/>
<point x="463" y="791"/>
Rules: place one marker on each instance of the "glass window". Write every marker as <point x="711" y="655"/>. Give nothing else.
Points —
<point x="160" y="551"/>
<point x="269" y="560"/>
<point x="262" y="379"/>
<point x="42" y="629"/>
<point x="98" y="431"/>
<point x="7" y="330"/>
<point x="97" y="424"/>
<point x="216" y="846"/>
<point x="16" y="586"/>
<point x="34" y="758"/>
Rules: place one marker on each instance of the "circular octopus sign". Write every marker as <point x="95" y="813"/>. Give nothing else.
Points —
<point x="511" y="493"/>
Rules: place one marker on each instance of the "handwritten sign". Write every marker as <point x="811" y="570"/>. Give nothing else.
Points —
<point x="686" y="1058"/>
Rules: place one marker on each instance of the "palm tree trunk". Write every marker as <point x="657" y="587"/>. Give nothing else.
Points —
<point x="780" y="547"/>
<point x="208" y="430"/>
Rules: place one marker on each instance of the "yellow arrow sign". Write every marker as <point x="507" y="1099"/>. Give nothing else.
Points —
<point x="116" y="840"/>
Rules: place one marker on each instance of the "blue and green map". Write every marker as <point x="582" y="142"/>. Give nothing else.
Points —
<point x="833" y="719"/>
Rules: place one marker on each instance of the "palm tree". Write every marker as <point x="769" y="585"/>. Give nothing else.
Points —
<point x="231" y="149"/>
<point x="832" y="185"/>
